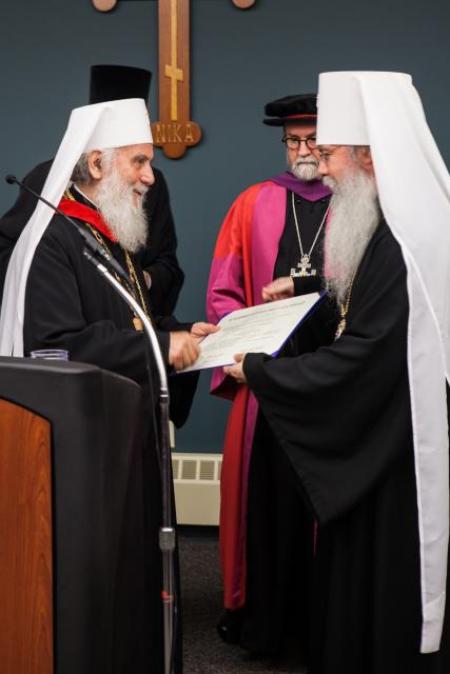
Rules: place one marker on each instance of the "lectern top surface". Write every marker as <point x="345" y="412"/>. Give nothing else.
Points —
<point x="47" y="365"/>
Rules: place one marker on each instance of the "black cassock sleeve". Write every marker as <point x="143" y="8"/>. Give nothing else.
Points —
<point x="57" y="317"/>
<point x="307" y="284"/>
<point x="159" y="257"/>
<point x="69" y="306"/>
<point x="342" y="413"/>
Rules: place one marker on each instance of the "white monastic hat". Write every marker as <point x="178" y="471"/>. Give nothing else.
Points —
<point x="383" y="110"/>
<point x="343" y="111"/>
<point x="100" y="126"/>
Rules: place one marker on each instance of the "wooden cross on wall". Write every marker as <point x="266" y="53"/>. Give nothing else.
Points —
<point x="174" y="132"/>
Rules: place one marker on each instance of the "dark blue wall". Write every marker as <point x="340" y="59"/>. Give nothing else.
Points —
<point x="239" y="60"/>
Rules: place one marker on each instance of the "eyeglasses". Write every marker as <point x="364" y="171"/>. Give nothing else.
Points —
<point x="295" y="142"/>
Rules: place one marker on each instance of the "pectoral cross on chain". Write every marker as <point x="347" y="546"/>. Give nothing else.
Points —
<point x="303" y="268"/>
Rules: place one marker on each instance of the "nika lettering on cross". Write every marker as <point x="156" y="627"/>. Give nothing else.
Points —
<point x="174" y="132"/>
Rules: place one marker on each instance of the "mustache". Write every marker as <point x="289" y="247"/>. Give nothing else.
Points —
<point x="306" y="162"/>
<point x="140" y="189"/>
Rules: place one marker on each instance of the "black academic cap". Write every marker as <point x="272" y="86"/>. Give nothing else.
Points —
<point x="112" y="83"/>
<point x="301" y="107"/>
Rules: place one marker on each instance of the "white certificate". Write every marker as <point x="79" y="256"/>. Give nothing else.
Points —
<point x="260" y="329"/>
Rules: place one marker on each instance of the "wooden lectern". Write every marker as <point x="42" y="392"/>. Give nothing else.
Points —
<point x="71" y="518"/>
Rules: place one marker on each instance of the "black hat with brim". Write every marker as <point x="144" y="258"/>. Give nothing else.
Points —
<point x="300" y="108"/>
<point x="112" y="83"/>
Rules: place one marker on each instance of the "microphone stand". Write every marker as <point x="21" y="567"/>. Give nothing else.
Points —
<point x="167" y="535"/>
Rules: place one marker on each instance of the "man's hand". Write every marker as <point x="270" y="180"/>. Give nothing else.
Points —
<point x="280" y="289"/>
<point x="200" y="330"/>
<point x="183" y="350"/>
<point x="237" y="371"/>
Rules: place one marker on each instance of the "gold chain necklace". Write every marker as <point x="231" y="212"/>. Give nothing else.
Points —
<point x="136" y="286"/>
<point x="134" y="277"/>
<point x="343" y="310"/>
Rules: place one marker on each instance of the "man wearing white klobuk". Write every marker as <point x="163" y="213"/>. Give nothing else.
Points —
<point x="55" y="299"/>
<point x="109" y="147"/>
<point x="373" y="466"/>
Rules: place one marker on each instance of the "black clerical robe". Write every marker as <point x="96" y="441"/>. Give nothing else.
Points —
<point x="342" y="417"/>
<point x="280" y="533"/>
<point x="310" y="215"/>
<point x="158" y="258"/>
<point x="69" y="305"/>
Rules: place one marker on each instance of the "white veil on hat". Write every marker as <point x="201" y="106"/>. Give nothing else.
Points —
<point x="99" y="126"/>
<point x="384" y="110"/>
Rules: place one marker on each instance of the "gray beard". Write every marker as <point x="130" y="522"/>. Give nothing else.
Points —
<point x="305" y="170"/>
<point x="355" y="214"/>
<point x="128" y="222"/>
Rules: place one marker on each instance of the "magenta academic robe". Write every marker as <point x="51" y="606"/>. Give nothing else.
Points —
<point x="244" y="261"/>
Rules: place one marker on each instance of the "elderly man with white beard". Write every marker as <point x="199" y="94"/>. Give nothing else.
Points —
<point x="54" y="298"/>
<point x="272" y="234"/>
<point x="66" y="305"/>
<point x="363" y="422"/>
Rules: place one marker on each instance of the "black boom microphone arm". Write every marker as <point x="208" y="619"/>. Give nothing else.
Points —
<point x="89" y="240"/>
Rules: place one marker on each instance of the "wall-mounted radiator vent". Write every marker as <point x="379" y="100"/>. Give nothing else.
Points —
<point x="197" y="487"/>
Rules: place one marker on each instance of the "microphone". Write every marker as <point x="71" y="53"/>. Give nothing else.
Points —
<point x="90" y="240"/>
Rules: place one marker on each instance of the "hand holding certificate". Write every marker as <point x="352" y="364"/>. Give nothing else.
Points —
<point x="260" y="329"/>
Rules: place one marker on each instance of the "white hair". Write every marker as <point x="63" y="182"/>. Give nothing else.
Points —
<point x="81" y="173"/>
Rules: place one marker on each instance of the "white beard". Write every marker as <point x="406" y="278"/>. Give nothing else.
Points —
<point x="355" y="214"/>
<point x="115" y="200"/>
<point x="305" y="169"/>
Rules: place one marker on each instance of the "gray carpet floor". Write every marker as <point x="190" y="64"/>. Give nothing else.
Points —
<point x="204" y="651"/>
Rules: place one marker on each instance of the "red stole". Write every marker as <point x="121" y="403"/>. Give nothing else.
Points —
<point x="75" y="209"/>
